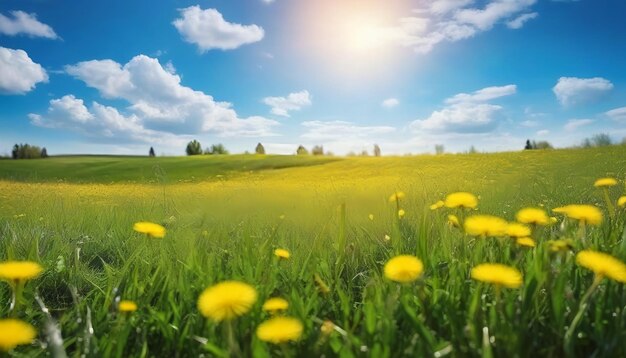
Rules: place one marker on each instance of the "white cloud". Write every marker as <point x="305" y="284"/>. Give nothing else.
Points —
<point x="519" y="21"/>
<point x="293" y="102"/>
<point x="572" y="90"/>
<point x="574" y="124"/>
<point x="454" y="20"/>
<point x="208" y="30"/>
<point x="467" y="113"/>
<point x="617" y="114"/>
<point x="390" y="103"/>
<point x="335" y="130"/>
<point x="543" y="132"/>
<point x="18" y="73"/>
<point x="24" y="23"/>
<point x="529" y="123"/>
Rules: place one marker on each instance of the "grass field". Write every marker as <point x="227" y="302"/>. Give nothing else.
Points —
<point x="225" y="216"/>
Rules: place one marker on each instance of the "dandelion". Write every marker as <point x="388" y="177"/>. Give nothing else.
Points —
<point x="437" y="205"/>
<point x="517" y="230"/>
<point x="282" y="254"/>
<point x="371" y="217"/>
<point x="19" y="271"/>
<point x="497" y="274"/>
<point x="603" y="265"/>
<point x="485" y="225"/>
<point x="525" y="241"/>
<point x="280" y="330"/>
<point x="387" y="238"/>
<point x="605" y="182"/>
<point x="553" y="220"/>
<point x="275" y="304"/>
<point x="327" y="327"/>
<point x="401" y="213"/>
<point x="621" y="202"/>
<point x="532" y="216"/>
<point x="226" y="300"/>
<point x="461" y="200"/>
<point x="562" y="245"/>
<point x="585" y="214"/>
<point x="127" y="306"/>
<point x="404" y="268"/>
<point x="396" y="196"/>
<point x="454" y="221"/>
<point x="150" y="229"/>
<point x="15" y="333"/>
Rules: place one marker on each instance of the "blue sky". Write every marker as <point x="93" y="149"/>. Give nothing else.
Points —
<point x="121" y="76"/>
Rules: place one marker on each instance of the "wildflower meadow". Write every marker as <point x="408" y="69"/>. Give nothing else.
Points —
<point x="472" y="255"/>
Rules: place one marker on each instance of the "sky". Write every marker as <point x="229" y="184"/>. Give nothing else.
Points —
<point x="117" y="77"/>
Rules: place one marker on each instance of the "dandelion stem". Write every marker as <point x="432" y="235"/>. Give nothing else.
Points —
<point x="579" y="315"/>
<point x="609" y="204"/>
<point x="233" y="347"/>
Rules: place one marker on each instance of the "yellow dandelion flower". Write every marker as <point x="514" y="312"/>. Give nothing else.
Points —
<point x="371" y="217"/>
<point x="437" y="205"/>
<point x="226" y="300"/>
<point x="282" y="254"/>
<point x="150" y="229"/>
<point x="19" y="270"/>
<point x="275" y="304"/>
<point x="485" y="225"/>
<point x="453" y="221"/>
<point x="15" y="333"/>
<point x="497" y="274"/>
<point x="517" y="230"/>
<point x="621" y="202"/>
<point x="327" y="327"/>
<point x="560" y="245"/>
<point x="396" y="196"/>
<point x="553" y="220"/>
<point x="387" y="238"/>
<point x="605" y="182"/>
<point x="525" y="241"/>
<point x="280" y="330"/>
<point x="461" y="200"/>
<point x="127" y="306"/>
<point x="532" y="216"/>
<point x="587" y="214"/>
<point x="404" y="268"/>
<point x="401" y="213"/>
<point x="602" y="264"/>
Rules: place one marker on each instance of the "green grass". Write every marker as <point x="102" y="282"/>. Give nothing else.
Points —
<point x="223" y="228"/>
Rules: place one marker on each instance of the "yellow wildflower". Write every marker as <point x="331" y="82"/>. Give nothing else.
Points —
<point x="560" y="245"/>
<point x="226" y="300"/>
<point x="605" y="182"/>
<point x="327" y="327"/>
<point x="587" y="214"/>
<point x="396" y="196"/>
<point x="280" y="330"/>
<point x="453" y="221"/>
<point x="282" y="254"/>
<point x="371" y="217"/>
<point x="602" y="264"/>
<point x="15" y="333"/>
<point x="150" y="229"/>
<point x="275" y="304"/>
<point x="553" y="220"/>
<point x="401" y="213"/>
<point x="517" y="230"/>
<point x="532" y="216"/>
<point x="621" y="201"/>
<point x="127" y="306"/>
<point x="497" y="274"/>
<point x="437" y="205"/>
<point x="485" y="225"/>
<point x="461" y="200"/>
<point x="19" y="270"/>
<point x="404" y="268"/>
<point x="525" y="241"/>
<point x="387" y="238"/>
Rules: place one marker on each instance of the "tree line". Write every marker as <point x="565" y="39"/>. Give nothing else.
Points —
<point x="27" y="151"/>
<point x="195" y="148"/>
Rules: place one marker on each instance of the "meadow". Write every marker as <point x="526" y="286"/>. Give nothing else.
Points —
<point x="337" y="224"/>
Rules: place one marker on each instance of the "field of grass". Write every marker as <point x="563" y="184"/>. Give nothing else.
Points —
<point x="225" y="216"/>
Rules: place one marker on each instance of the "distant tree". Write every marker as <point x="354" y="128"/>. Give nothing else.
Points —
<point x="259" y="149"/>
<point x="194" y="148"/>
<point x="301" y="150"/>
<point x="364" y="153"/>
<point x="151" y="153"/>
<point x="26" y="151"/>
<point x="587" y="143"/>
<point x="376" y="150"/>
<point x="15" y="152"/>
<point x="351" y="154"/>
<point x="44" y="153"/>
<point x="472" y="150"/>
<point x="216" y="149"/>
<point x="317" y="150"/>
<point x="601" y="140"/>
<point x="528" y="145"/>
<point x="439" y="149"/>
<point x="543" y="144"/>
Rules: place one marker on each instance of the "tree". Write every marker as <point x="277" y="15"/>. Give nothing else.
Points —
<point x="259" y="149"/>
<point x="317" y="150"/>
<point x="376" y="150"/>
<point x="528" y="145"/>
<point x="301" y="150"/>
<point x="601" y="140"/>
<point x="15" y="152"/>
<point x="216" y="149"/>
<point x="364" y="153"/>
<point x="472" y="150"/>
<point x="194" y="148"/>
<point x="151" y="153"/>
<point x="439" y="148"/>
<point x="543" y="144"/>
<point x="44" y="153"/>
